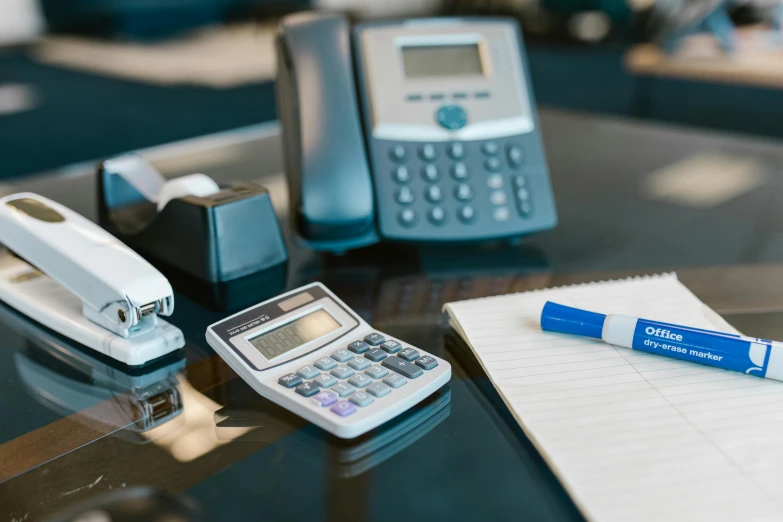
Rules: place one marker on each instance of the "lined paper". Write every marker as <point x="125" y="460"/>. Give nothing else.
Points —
<point x="631" y="435"/>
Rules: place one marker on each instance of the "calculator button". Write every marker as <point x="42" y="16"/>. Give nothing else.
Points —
<point x="342" y="372"/>
<point x="307" y="389"/>
<point x="433" y="193"/>
<point x="358" y="347"/>
<point x="405" y="196"/>
<point x="520" y="181"/>
<point x="466" y="214"/>
<point x="379" y="389"/>
<point x="407" y="217"/>
<point x="459" y="171"/>
<point x="427" y="152"/>
<point x="391" y="346"/>
<point x="376" y="372"/>
<point x="515" y="156"/>
<point x="324" y="398"/>
<point x="360" y="380"/>
<point x="524" y="208"/>
<point x="343" y="389"/>
<point x="374" y="339"/>
<point x="343" y="408"/>
<point x="395" y="380"/>
<point x="409" y="354"/>
<point x="463" y="192"/>
<point x="375" y="355"/>
<point x="501" y="214"/>
<point x="307" y="372"/>
<point x="401" y="174"/>
<point x="397" y="153"/>
<point x="407" y="369"/>
<point x="290" y="380"/>
<point x="358" y="363"/>
<point x="362" y="399"/>
<point x="427" y="362"/>
<point x="430" y="173"/>
<point x="451" y="117"/>
<point x="325" y="363"/>
<point x="490" y="148"/>
<point x="492" y="164"/>
<point x="342" y="355"/>
<point x="456" y="151"/>
<point x="495" y="181"/>
<point x="497" y="197"/>
<point x="325" y="380"/>
<point x="523" y="194"/>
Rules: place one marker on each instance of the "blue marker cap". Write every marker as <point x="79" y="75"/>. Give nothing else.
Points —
<point x="564" y="319"/>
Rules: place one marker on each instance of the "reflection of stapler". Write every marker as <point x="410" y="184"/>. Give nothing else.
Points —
<point x="71" y="380"/>
<point x="189" y="223"/>
<point x="99" y="292"/>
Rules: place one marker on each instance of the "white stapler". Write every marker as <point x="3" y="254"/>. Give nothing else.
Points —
<point x="98" y="291"/>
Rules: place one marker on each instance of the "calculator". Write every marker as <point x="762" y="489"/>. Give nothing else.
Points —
<point x="309" y="352"/>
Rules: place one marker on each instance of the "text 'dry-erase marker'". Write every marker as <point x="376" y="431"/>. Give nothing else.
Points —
<point x="723" y="350"/>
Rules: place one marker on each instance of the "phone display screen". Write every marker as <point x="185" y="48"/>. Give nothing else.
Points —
<point x="441" y="60"/>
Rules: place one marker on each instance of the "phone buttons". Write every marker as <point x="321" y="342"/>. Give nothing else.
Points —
<point x="405" y="196"/>
<point x="401" y="174"/>
<point x="456" y="151"/>
<point x="397" y="153"/>
<point x="433" y="193"/>
<point x="427" y="152"/>
<point x="451" y="117"/>
<point x="495" y="181"/>
<point x="466" y="214"/>
<point x="492" y="164"/>
<point x="463" y="192"/>
<point x="501" y="214"/>
<point x="407" y="217"/>
<point x="515" y="156"/>
<point x="437" y="216"/>
<point x="490" y="148"/>
<point x="497" y="197"/>
<point x="459" y="171"/>
<point x="430" y="173"/>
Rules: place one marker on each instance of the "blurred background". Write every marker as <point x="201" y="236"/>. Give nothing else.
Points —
<point x="84" y="79"/>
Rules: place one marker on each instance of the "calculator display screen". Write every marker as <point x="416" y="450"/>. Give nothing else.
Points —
<point x="441" y="60"/>
<point x="283" y="339"/>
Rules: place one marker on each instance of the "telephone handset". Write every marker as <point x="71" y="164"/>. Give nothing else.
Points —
<point x="420" y="130"/>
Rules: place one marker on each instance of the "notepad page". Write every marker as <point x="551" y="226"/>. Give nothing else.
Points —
<point x="633" y="436"/>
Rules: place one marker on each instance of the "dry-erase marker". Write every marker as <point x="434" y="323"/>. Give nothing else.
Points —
<point x="723" y="350"/>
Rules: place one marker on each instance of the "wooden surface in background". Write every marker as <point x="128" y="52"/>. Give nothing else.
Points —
<point x="758" y="61"/>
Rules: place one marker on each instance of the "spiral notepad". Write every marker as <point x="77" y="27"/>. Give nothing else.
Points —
<point x="631" y="435"/>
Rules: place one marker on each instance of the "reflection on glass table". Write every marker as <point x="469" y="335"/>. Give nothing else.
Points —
<point x="68" y="378"/>
<point x="265" y="421"/>
<point x="140" y="504"/>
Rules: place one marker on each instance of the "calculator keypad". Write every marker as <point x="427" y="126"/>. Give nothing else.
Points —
<point x="462" y="190"/>
<point x="348" y="381"/>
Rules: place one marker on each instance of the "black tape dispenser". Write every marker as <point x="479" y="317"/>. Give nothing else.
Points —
<point x="215" y="234"/>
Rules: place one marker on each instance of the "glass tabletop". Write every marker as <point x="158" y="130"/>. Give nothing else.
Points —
<point x="78" y="429"/>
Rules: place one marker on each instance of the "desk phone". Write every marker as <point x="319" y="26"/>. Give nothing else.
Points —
<point x="418" y="130"/>
<point x="310" y="353"/>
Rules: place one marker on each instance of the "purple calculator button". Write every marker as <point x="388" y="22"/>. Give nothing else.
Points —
<point x="325" y="398"/>
<point x="344" y="408"/>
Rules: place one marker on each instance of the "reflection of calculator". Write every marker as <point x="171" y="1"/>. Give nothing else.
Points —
<point x="307" y="351"/>
<point x="342" y="457"/>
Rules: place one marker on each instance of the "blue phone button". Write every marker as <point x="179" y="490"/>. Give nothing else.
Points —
<point x="451" y="117"/>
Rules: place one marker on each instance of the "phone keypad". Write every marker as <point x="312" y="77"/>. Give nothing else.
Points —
<point x="358" y="384"/>
<point x="471" y="184"/>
